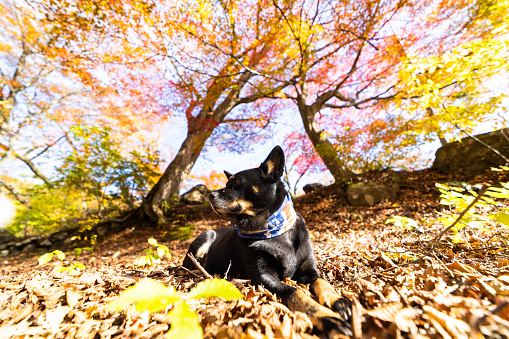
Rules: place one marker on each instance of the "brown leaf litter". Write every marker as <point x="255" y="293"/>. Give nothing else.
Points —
<point x="457" y="291"/>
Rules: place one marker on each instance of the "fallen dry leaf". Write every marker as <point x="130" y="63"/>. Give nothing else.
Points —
<point x="405" y="320"/>
<point x="456" y="284"/>
<point x="455" y="327"/>
<point x="386" y="312"/>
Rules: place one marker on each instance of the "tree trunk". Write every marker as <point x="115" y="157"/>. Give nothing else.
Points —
<point x="169" y="184"/>
<point x="6" y="106"/>
<point x="199" y="129"/>
<point x="440" y="134"/>
<point x="322" y="146"/>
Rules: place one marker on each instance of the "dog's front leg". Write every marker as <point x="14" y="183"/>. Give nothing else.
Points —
<point x="325" y="321"/>
<point x="328" y="296"/>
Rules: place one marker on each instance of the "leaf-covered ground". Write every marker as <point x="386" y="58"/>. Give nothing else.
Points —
<point x="456" y="291"/>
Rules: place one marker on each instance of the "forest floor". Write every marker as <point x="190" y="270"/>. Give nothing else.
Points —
<point x="458" y="290"/>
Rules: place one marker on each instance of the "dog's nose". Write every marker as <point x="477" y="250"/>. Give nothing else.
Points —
<point x="213" y="195"/>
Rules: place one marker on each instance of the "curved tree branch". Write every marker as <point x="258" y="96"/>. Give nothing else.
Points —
<point x="34" y="169"/>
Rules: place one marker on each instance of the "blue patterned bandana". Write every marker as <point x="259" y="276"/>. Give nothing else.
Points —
<point x="279" y="222"/>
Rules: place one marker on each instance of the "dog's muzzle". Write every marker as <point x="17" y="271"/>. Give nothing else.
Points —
<point x="213" y="197"/>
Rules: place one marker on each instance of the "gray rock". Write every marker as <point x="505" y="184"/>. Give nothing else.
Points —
<point x="196" y="195"/>
<point x="101" y="231"/>
<point x="23" y="242"/>
<point x="4" y="253"/>
<point x="6" y="236"/>
<point x="371" y="194"/>
<point x="46" y="243"/>
<point x="311" y="187"/>
<point x="471" y="157"/>
<point x="28" y="248"/>
<point x="61" y="236"/>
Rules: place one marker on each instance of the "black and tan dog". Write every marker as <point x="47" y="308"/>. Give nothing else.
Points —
<point x="267" y="242"/>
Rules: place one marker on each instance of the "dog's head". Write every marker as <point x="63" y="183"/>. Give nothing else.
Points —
<point x="252" y="191"/>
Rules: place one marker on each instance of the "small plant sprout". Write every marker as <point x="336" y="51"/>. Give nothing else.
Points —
<point x="405" y="222"/>
<point x="78" y="250"/>
<point x="153" y="257"/>
<point x="149" y="295"/>
<point x="483" y="214"/>
<point x="74" y="268"/>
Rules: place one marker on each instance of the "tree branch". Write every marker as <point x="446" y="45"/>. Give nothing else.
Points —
<point x="14" y="192"/>
<point x="199" y="266"/>
<point x="45" y="149"/>
<point x="34" y="169"/>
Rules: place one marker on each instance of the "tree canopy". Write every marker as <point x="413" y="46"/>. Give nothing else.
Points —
<point x="89" y="86"/>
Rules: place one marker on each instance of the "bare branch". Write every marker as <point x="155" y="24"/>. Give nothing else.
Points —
<point x="14" y="192"/>
<point x="259" y="95"/>
<point x="46" y="148"/>
<point x="34" y="169"/>
<point x="199" y="266"/>
<point x="367" y="40"/>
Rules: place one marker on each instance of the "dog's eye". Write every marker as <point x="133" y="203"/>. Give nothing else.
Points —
<point x="238" y="182"/>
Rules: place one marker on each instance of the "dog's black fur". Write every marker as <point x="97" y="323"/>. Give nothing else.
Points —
<point x="249" y="199"/>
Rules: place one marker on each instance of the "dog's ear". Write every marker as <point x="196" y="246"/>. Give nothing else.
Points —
<point x="228" y="174"/>
<point x="273" y="167"/>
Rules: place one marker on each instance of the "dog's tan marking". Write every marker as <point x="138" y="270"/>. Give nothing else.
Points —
<point x="324" y="291"/>
<point x="270" y="166"/>
<point x="299" y="301"/>
<point x="244" y="205"/>
<point x="256" y="189"/>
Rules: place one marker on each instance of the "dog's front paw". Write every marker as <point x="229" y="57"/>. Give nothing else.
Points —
<point x="326" y="323"/>
<point x="327" y="326"/>
<point x="343" y="306"/>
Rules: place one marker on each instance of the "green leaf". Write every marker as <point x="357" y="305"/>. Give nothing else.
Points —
<point x="215" y="288"/>
<point x="45" y="258"/>
<point x="147" y="295"/>
<point x="162" y="251"/>
<point x="457" y="239"/>
<point x="153" y="258"/>
<point x="498" y="192"/>
<point x="60" y="269"/>
<point x="405" y="223"/>
<point x="80" y="266"/>
<point x="184" y="323"/>
<point x="502" y="218"/>
<point x="152" y="242"/>
<point x="60" y="255"/>
<point x="141" y="261"/>
<point x="89" y="249"/>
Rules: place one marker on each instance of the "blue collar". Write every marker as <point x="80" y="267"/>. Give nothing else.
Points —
<point x="279" y="222"/>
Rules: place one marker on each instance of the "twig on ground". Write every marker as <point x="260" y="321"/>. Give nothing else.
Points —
<point x="487" y="248"/>
<point x="483" y="190"/>
<point x="199" y="266"/>
<point x="189" y="271"/>
<point x="228" y="270"/>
